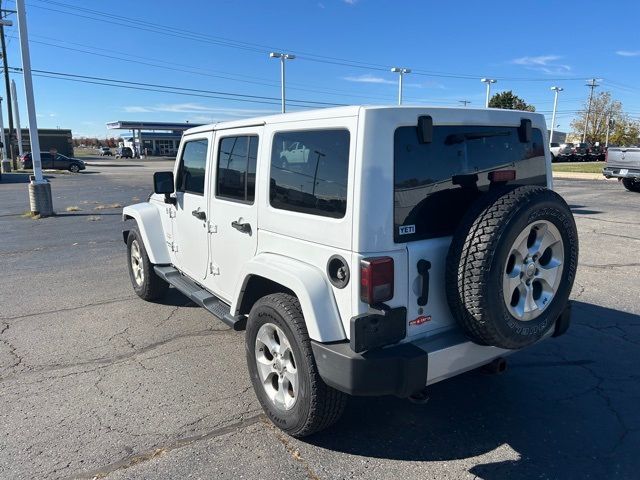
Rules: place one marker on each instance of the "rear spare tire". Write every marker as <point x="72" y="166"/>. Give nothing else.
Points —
<point x="511" y="266"/>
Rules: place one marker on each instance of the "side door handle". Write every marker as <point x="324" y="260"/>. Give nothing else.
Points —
<point x="241" y="227"/>
<point x="199" y="214"/>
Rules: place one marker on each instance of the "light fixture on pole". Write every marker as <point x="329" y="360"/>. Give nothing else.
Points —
<point x="282" y="57"/>
<point x="39" y="188"/>
<point x="488" y="82"/>
<point x="464" y="102"/>
<point x="556" y="90"/>
<point x="401" y="72"/>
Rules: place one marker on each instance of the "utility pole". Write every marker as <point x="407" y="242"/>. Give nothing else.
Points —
<point x="464" y="102"/>
<point x="401" y="72"/>
<point x="592" y="85"/>
<point x="283" y="57"/>
<point x="488" y="82"/>
<point x="556" y="90"/>
<point x="9" y="148"/>
<point x="6" y="161"/>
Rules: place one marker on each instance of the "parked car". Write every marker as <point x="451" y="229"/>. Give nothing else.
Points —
<point x="375" y="270"/>
<point x="581" y="152"/>
<point x="623" y="163"/>
<point x="54" y="162"/>
<point x="565" y="152"/>
<point x="105" y="151"/>
<point x="596" y="153"/>
<point x="124" y="152"/>
<point x="554" y="148"/>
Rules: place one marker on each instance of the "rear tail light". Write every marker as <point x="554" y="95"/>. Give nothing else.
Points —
<point x="502" y="175"/>
<point x="376" y="280"/>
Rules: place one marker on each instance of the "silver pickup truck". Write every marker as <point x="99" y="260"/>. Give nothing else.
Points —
<point x="623" y="163"/>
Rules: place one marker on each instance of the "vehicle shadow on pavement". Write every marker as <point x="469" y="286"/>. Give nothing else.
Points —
<point x="565" y="408"/>
<point x="580" y="210"/>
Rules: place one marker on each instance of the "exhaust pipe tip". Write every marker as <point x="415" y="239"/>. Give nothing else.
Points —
<point x="496" y="366"/>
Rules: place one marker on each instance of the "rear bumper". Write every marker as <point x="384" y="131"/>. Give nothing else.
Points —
<point x="621" y="172"/>
<point x="406" y="368"/>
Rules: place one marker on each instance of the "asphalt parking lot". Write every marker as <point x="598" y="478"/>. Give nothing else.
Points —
<point x="94" y="382"/>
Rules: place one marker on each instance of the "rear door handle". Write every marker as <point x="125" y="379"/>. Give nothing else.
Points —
<point x="423" y="271"/>
<point x="199" y="214"/>
<point x="242" y="227"/>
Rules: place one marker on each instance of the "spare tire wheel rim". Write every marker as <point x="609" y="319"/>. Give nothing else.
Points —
<point x="276" y="366"/>
<point x="533" y="270"/>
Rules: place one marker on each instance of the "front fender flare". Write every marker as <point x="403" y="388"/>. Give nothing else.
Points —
<point x="318" y="304"/>
<point x="147" y="216"/>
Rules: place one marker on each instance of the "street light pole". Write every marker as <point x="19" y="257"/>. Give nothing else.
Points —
<point x="282" y="57"/>
<point x="39" y="189"/>
<point x="488" y="82"/>
<point x="401" y="72"/>
<point x="556" y="90"/>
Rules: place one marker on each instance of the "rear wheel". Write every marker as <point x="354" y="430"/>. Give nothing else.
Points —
<point x="283" y="371"/>
<point x="631" y="184"/>
<point x="511" y="266"/>
<point x="146" y="283"/>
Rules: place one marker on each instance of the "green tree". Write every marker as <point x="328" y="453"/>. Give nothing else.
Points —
<point x="622" y="131"/>
<point x="510" y="101"/>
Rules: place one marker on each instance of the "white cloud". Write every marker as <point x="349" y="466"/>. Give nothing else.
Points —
<point x="628" y="53"/>
<point x="368" y="78"/>
<point x="543" y="63"/>
<point x="350" y="2"/>
<point x="202" y="112"/>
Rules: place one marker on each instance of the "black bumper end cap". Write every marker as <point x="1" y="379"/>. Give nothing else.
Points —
<point x="400" y="370"/>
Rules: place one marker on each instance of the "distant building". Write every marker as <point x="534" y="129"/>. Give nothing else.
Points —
<point x="160" y="138"/>
<point x="558" y="137"/>
<point x="50" y="139"/>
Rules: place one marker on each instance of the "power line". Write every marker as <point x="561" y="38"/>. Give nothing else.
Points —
<point x="171" y="89"/>
<point x="105" y="17"/>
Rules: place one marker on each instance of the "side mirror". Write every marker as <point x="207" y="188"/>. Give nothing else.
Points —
<point x="163" y="184"/>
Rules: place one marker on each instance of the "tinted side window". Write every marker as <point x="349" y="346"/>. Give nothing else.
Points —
<point x="309" y="172"/>
<point x="236" y="176"/>
<point x="192" y="167"/>
<point x="436" y="183"/>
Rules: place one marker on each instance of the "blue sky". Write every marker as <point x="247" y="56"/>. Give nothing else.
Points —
<point x="345" y="49"/>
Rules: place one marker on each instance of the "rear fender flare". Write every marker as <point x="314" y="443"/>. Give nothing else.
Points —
<point x="307" y="282"/>
<point x="147" y="216"/>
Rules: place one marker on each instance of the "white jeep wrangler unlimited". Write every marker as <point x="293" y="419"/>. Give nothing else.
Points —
<point x="365" y="250"/>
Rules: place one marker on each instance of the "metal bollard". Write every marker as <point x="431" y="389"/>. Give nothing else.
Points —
<point x="6" y="165"/>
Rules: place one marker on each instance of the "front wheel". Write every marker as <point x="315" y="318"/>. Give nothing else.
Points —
<point x="631" y="184"/>
<point x="73" y="168"/>
<point x="146" y="283"/>
<point x="283" y="371"/>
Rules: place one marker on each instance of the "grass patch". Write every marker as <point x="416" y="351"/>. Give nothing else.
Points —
<point x="35" y="216"/>
<point x="94" y="218"/>
<point x="73" y="208"/>
<point x="579" y="167"/>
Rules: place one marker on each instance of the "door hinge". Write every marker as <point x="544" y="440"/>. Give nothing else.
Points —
<point x="171" y="212"/>
<point x="212" y="228"/>
<point x="173" y="246"/>
<point x="213" y="269"/>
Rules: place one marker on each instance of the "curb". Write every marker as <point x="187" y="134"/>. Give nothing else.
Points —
<point x="580" y="176"/>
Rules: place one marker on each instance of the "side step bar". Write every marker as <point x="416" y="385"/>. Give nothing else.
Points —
<point x="201" y="297"/>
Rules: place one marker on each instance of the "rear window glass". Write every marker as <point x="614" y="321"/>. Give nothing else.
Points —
<point x="309" y="171"/>
<point x="436" y="183"/>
